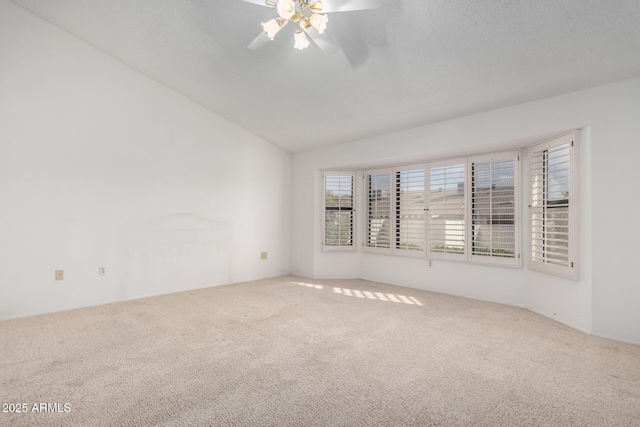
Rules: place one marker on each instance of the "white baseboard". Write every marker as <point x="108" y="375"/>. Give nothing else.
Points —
<point x="614" y="338"/>
<point x="560" y="320"/>
<point x="100" y="304"/>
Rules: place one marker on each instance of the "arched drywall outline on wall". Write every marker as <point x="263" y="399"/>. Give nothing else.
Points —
<point x="174" y="253"/>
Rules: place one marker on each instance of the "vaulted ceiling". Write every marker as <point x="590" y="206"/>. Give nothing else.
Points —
<point x="408" y="63"/>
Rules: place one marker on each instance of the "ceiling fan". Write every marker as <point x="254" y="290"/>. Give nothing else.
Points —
<point x="308" y="18"/>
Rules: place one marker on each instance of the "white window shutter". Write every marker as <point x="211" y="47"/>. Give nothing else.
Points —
<point x="338" y="210"/>
<point x="494" y="208"/>
<point x="410" y="210"/>
<point x="553" y="206"/>
<point x="378" y="222"/>
<point x="446" y="210"/>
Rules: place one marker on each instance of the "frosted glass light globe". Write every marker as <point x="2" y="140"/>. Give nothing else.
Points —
<point x="286" y="8"/>
<point x="301" y="41"/>
<point x="319" y="22"/>
<point x="271" y="28"/>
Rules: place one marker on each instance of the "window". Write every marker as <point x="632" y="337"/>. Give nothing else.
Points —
<point x="466" y="209"/>
<point x="447" y="213"/>
<point x="494" y="208"/>
<point x="410" y="208"/>
<point x="338" y="210"/>
<point x="553" y="206"/>
<point x="378" y="233"/>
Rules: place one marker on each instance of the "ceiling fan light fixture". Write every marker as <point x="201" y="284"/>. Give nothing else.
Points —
<point x="286" y="8"/>
<point x="301" y="41"/>
<point x="319" y="22"/>
<point x="272" y="27"/>
<point x="304" y="15"/>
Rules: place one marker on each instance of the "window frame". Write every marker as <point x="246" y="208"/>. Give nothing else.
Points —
<point x="516" y="261"/>
<point x="571" y="270"/>
<point x="520" y="185"/>
<point x="466" y="256"/>
<point x="339" y="248"/>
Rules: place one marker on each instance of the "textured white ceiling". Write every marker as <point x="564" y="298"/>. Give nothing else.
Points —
<point x="409" y="63"/>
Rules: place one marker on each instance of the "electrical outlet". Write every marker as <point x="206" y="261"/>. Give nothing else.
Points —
<point x="59" y="274"/>
<point x="430" y="263"/>
<point x="102" y="271"/>
<point x="263" y="255"/>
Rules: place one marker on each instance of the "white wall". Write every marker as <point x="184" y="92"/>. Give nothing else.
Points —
<point x="102" y="166"/>
<point x="606" y="299"/>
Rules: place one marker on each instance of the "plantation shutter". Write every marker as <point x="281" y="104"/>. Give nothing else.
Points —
<point x="494" y="230"/>
<point x="410" y="207"/>
<point x="446" y="210"/>
<point x="378" y="210"/>
<point x="553" y="207"/>
<point x="339" y="218"/>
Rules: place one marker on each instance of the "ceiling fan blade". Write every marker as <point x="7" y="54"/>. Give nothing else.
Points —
<point x="330" y="6"/>
<point x="259" y="42"/>
<point x="262" y="2"/>
<point x="323" y="41"/>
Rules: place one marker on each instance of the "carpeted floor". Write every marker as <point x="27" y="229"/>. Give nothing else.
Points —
<point x="300" y="352"/>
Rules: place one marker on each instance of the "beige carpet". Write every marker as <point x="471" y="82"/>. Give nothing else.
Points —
<point x="300" y="352"/>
